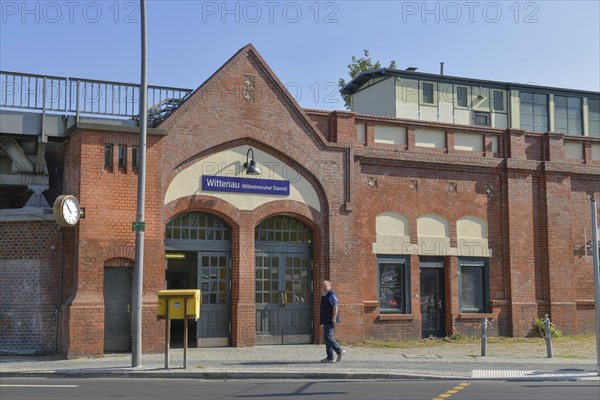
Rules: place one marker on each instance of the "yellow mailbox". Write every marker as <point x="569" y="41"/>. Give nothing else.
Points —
<point x="176" y="300"/>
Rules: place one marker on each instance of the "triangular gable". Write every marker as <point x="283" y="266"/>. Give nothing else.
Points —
<point x="220" y="73"/>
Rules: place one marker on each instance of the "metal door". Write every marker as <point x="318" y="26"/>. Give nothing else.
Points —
<point x="214" y="281"/>
<point x="433" y="312"/>
<point x="117" y="309"/>
<point x="283" y="296"/>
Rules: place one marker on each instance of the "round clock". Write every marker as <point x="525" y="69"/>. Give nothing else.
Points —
<point x="67" y="210"/>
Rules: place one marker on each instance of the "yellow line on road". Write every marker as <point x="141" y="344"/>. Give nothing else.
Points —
<point x="444" y="396"/>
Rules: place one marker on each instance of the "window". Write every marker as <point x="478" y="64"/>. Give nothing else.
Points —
<point x="122" y="156"/>
<point x="461" y="97"/>
<point x="498" y="104"/>
<point x="427" y="93"/>
<point x="473" y="285"/>
<point x="567" y="115"/>
<point x="534" y="112"/>
<point x="482" y="118"/>
<point x="108" y="155"/>
<point x="393" y="284"/>
<point x="594" y="117"/>
<point x="134" y="157"/>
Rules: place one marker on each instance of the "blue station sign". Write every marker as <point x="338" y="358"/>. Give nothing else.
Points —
<point x="245" y="185"/>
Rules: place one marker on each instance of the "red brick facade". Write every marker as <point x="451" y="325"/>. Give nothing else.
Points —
<point x="535" y="203"/>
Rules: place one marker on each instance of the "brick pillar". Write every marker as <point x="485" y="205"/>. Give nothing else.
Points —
<point x="243" y="307"/>
<point x="450" y="142"/>
<point x="410" y="138"/>
<point x="555" y="146"/>
<point x="452" y="308"/>
<point x="520" y="212"/>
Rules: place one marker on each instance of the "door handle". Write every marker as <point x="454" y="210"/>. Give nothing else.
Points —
<point x="283" y="298"/>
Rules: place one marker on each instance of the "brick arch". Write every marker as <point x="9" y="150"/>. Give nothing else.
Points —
<point x="460" y="212"/>
<point x="303" y="212"/>
<point x="121" y="252"/>
<point x="119" y="262"/>
<point x="209" y="204"/>
<point x="299" y="160"/>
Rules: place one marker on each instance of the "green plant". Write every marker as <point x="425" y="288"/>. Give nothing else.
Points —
<point x="455" y="337"/>
<point x="538" y="327"/>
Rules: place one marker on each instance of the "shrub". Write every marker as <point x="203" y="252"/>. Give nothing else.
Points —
<point x="538" y="327"/>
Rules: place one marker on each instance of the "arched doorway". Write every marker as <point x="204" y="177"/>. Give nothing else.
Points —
<point x="283" y="281"/>
<point x="198" y="252"/>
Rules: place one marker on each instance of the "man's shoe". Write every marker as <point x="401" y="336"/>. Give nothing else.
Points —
<point x="328" y="360"/>
<point x="340" y="356"/>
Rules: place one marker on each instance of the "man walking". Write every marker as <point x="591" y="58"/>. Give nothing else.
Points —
<point x="329" y="320"/>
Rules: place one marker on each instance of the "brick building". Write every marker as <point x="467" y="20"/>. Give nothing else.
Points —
<point x="435" y="202"/>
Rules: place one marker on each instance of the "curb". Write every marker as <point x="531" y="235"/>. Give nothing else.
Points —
<point x="224" y="375"/>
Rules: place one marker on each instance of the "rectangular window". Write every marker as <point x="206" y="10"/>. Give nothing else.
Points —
<point x="393" y="284"/>
<point x="498" y="104"/>
<point x="108" y="155"/>
<point x="428" y="93"/>
<point x="594" y="117"/>
<point x="482" y="118"/>
<point x="134" y="157"/>
<point x="473" y="285"/>
<point x="568" y="115"/>
<point x="461" y="97"/>
<point x="122" y="156"/>
<point x="533" y="112"/>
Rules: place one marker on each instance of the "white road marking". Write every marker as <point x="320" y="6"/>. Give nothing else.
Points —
<point x="42" y="386"/>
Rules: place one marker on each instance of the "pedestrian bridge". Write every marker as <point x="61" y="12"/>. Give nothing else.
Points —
<point x="37" y="112"/>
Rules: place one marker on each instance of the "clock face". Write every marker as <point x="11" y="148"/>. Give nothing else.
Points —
<point x="67" y="210"/>
<point x="70" y="210"/>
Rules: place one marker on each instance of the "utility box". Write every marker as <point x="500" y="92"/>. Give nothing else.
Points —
<point x="176" y="300"/>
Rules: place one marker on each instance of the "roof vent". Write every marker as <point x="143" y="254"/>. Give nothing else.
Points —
<point x="411" y="69"/>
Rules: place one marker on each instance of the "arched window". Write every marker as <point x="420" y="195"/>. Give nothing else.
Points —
<point x="197" y="226"/>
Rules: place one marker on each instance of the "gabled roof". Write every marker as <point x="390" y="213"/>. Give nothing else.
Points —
<point x="249" y="49"/>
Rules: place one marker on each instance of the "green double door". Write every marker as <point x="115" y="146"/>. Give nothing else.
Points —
<point x="283" y="295"/>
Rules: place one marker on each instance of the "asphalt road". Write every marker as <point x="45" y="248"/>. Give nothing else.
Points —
<point x="175" y="389"/>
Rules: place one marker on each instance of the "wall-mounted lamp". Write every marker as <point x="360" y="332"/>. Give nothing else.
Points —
<point x="175" y="256"/>
<point x="251" y="166"/>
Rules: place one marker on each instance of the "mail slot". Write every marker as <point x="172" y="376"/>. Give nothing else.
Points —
<point x="176" y="299"/>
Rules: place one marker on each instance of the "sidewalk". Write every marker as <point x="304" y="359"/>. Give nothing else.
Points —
<point x="303" y="362"/>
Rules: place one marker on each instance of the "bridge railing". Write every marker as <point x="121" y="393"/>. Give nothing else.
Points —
<point x="80" y="96"/>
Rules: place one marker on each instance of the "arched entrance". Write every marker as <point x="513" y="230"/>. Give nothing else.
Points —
<point x="199" y="257"/>
<point x="283" y="281"/>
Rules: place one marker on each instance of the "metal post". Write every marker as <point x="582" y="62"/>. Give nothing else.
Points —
<point x="185" y="331"/>
<point x="167" y="333"/>
<point x="596" y="265"/>
<point x="548" y="336"/>
<point x="136" y="352"/>
<point x="484" y="324"/>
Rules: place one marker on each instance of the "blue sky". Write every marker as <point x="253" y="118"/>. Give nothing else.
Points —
<point x="308" y="44"/>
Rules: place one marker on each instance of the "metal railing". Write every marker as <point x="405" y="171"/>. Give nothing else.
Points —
<point x="82" y="96"/>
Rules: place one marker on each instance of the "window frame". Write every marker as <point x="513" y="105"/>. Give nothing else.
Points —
<point x="482" y="263"/>
<point x="485" y="114"/>
<point x="422" y="92"/>
<point x="108" y="155"/>
<point x="458" y="105"/>
<point x="568" y="108"/>
<point x="533" y="114"/>
<point x="495" y="97"/>
<point x="135" y="157"/>
<point x="594" y="133"/>
<point x="122" y="156"/>
<point x="395" y="259"/>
